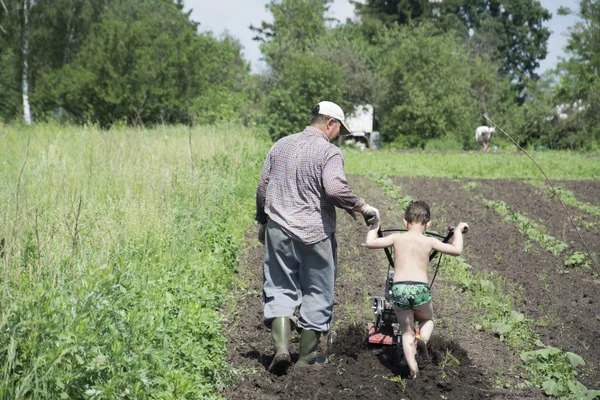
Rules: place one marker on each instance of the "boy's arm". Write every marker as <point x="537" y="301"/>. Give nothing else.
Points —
<point x="456" y="247"/>
<point x="374" y="242"/>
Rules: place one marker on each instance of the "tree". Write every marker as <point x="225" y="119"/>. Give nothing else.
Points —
<point x="309" y="62"/>
<point x="296" y="26"/>
<point x="39" y="36"/>
<point x="511" y="31"/>
<point x="144" y="63"/>
<point x="434" y="87"/>
<point x="579" y="76"/>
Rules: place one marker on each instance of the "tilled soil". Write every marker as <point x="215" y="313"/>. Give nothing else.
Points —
<point x="563" y="305"/>
<point x="587" y="191"/>
<point x="467" y="363"/>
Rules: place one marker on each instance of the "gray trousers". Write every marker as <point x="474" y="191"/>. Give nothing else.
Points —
<point x="297" y="275"/>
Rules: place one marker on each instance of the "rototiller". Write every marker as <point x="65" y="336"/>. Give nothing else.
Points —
<point x="386" y="330"/>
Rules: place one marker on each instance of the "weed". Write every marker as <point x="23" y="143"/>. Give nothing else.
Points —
<point x="448" y="361"/>
<point x="397" y="379"/>
<point x="542" y="277"/>
<point x="577" y="259"/>
<point x="500" y="381"/>
<point x="469" y="186"/>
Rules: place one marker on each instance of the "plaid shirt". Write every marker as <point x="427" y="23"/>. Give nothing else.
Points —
<point x="301" y="183"/>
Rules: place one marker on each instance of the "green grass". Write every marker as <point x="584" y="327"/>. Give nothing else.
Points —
<point x="120" y="248"/>
<point x="557" y="165"/>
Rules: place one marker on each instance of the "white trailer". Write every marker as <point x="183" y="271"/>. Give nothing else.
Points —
<point x="360" y="124"/>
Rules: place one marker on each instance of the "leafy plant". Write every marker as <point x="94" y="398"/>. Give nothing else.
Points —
<point x="576" y="259"/>
<point x="554" y="370"/>
<point x="469" y="186"/>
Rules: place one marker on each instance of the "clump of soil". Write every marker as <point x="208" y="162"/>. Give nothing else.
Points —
<point x="350" y="340"/>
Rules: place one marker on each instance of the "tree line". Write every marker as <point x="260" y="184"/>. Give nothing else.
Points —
<point x="431" y="69"/>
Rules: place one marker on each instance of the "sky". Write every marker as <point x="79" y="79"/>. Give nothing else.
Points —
<point x="235" y="17"/>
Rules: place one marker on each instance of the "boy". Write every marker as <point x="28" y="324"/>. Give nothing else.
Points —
<point x="410" y="291"/>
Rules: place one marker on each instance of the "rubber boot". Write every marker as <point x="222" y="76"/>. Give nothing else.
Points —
<point x="309" y="341"/>
<point x="281" y="332"/>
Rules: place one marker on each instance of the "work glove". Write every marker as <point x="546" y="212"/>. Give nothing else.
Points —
<point x="371" y="215"/>
<point x="262" y="232"/>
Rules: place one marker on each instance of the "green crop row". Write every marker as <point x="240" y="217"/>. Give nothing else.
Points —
<point x="118" y="248"/>
<point x="527" y="227"/>
<point x="392" y="191"/>
<point x="566" y="196"/>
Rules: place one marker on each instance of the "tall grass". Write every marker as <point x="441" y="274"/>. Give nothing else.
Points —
<point x="118" y="249"/>
<point x="557" y="165"/>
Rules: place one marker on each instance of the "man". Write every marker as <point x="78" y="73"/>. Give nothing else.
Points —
<point x="301" y="183"/>
<point x="483" y="134"/>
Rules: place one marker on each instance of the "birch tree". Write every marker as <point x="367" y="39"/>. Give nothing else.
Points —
<point x="38" y="37"/>
<point x="15" y="29"/>
<point x="25" y="49"/>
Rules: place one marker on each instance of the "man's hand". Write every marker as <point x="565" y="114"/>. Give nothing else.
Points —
<point x="262" y="233"/>
<point x="370" y="214"/>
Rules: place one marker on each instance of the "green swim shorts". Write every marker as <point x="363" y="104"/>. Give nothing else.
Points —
<point x="408" y="294"/>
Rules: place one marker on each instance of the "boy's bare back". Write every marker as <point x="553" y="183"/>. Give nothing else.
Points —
<point x="411" y="256"/>
<point x="412" y="249"/>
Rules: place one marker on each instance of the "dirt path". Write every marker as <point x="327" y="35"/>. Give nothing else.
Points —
<point x="563" y="305"/>
<point x="356" y="371"/>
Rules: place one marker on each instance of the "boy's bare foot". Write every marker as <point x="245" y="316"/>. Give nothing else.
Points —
<point x="414" y="374"/>
<point x="423" y="358"/>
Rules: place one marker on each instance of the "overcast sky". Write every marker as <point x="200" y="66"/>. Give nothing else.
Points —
<point x="235" y="17"/>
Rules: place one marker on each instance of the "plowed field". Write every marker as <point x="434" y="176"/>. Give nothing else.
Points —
<point x="562" y="303"/>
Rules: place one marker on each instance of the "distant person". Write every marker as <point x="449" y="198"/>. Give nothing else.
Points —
<point x="483" y="134"/>
<point x="301" y="183"/>
<point x="410" y="292"/>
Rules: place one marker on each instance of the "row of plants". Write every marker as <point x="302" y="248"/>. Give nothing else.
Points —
<point x="118" y="248"/>
<point x="551" y="369"/>
<point x="567" y="196"/>
<point x="533" y="230"/>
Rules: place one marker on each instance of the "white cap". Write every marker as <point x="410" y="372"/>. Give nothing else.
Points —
<point x="334" y="111"/>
